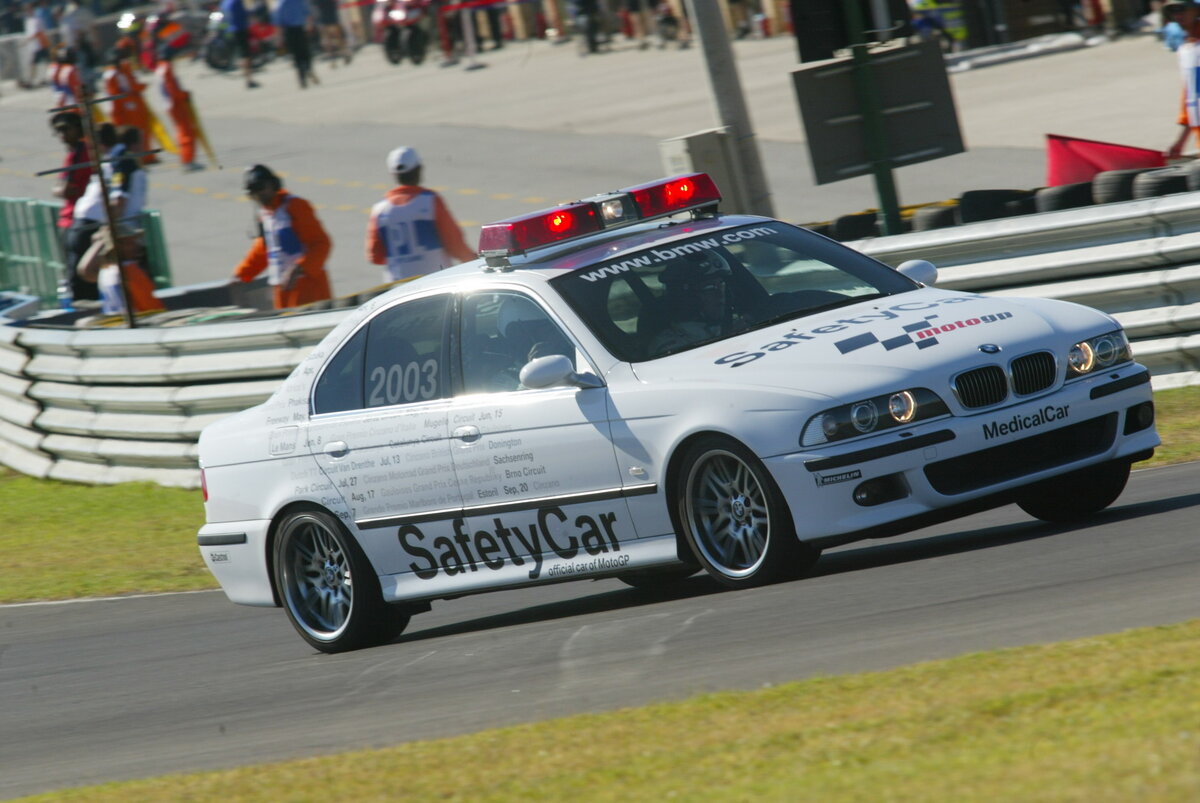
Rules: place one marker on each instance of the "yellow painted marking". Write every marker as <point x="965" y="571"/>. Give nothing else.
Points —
<point x="318" y="206"/>
<point x="381" y="186"/>
<point x="176" y="187"/>
<point x="302" y="178"/>
<point x="327" y="181"/>
<point x="198" y="191"/>
<point x="467" y="191"/>
<point x="220" y="196"/>
<point x="534" y="199"/>
<point x="502" y="196"/>
<point x="354" y="183"/>
<point x="345" y="207"/>
<point x="468" y="223"/>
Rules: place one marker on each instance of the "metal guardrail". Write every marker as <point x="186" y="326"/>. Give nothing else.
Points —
<point x="31" y="251"/>
<point x="104" y="406"/>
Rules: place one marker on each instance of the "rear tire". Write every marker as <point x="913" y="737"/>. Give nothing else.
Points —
<point x="1077" y="495"/>
<point x="735" y="519"/>
<point x="328" y="587"/>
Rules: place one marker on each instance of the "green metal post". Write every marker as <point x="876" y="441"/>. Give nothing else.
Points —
<point x="872" y="112"/>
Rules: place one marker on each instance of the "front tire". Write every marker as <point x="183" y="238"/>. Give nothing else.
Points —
<point x="1077" y="495"/>
<point x="735" y="519"/>
<point x="328" y="587"/>
<point x="393" y="47"/>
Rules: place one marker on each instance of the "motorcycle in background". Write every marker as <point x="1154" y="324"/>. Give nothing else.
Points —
<point x="220" y="50"/>
<point x="402" y="27"/>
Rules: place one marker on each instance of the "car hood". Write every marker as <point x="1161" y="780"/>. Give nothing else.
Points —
<point x="917" y="339"/>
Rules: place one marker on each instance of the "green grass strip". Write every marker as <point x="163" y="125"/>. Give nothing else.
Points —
<point x="1113" y="718"/>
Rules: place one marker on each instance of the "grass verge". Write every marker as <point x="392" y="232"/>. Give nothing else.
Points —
<point x="1113" y="718"/>
<point x="64" y="541"/>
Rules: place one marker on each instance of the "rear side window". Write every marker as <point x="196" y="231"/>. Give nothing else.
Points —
<point x="405" y="361"/>
<point x="397" y="358"/>
<point x="341" y="385"/>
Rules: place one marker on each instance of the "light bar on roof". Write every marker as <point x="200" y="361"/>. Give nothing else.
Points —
<point x="660" y="198"/>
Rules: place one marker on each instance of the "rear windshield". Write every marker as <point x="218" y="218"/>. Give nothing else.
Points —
<point x="673" y="297"/>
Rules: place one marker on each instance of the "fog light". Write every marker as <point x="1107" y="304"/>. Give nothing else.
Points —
<point x="880" y="490"/>
<point x="1139" y="417"/>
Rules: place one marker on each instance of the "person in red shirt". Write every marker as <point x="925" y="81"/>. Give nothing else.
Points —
<point x="179" y="106"/>
<point x="411" y="231"/>
<point x="292" y="245"/>
<point x="74" y="179"/>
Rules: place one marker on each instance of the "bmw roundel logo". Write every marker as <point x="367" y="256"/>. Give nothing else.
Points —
<point x="990" y="348"/>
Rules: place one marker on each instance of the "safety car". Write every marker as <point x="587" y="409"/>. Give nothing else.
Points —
<point x="636" y="386"/>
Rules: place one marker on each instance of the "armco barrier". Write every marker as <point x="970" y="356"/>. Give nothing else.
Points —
<point x="105" y="406"/>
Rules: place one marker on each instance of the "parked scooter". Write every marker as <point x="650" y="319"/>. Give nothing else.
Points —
<point x="219" y="47"/>
<point x="402" y="27"/>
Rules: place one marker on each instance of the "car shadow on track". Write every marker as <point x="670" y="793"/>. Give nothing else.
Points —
<point x="619" y="599"/>
<point x="865" y="556"/>
<point x="885" y="554"/>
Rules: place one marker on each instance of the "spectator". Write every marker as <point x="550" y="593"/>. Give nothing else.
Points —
<point x="292" y="17"/>
<point x="411" y="231"/>
<point x="292" y="245"/>
<point x="179" y="106"/>
<point x="130" y="108"/>
<point x="238" y="20"/>
<point x="78" y="27"/>
<point x="333" y="37"/>
<point x="37" y="44"/>
<point x="1188" y="18"/>
<point x="68" y="125"/>
<point x="114" y="266"/>
<point x="1171" y="32"/>
<point x="65" y="79"/>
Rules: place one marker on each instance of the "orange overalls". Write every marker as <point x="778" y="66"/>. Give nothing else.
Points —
<point x="130" y="110"/>
<point x="180" y="109"/>
<point x="291" y="236"/>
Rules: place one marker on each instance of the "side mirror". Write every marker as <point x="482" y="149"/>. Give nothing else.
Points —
<point x="919" y="270"/>
<point x="555" y="369"/>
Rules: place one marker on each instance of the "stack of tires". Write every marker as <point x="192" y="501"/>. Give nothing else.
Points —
<point x="978" y="205"/>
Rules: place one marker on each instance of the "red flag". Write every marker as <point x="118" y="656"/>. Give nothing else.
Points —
<point x="1070" y="160"/>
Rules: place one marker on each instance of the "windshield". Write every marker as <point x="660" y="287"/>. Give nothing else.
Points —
<point x="671" y="298"/>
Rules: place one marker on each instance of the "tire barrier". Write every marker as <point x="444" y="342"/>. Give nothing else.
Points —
<point x="114" y="405"/>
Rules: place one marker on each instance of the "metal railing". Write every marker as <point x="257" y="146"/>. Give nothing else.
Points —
<point x="31" y="248"/>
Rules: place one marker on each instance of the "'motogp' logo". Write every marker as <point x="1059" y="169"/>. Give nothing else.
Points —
<point x="923" y="333"/>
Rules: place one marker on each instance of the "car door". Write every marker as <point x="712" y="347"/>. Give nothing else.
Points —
<point x="379" y="425"/>
<point x="536" y="468"/>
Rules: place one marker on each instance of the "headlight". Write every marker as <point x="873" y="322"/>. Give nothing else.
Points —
<point x="876" y="414"/>
<point x="1098" y="354"/>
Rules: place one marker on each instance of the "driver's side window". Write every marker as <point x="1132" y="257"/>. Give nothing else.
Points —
<point x="501" y="332"/>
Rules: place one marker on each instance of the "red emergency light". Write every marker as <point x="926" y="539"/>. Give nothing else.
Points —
<point x="660" y="198"/>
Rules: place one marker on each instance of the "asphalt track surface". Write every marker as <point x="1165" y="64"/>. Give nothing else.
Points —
<point x="105" y="690"/>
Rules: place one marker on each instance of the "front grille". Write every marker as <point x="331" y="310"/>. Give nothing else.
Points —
<point x="980" y="387"/>
<point x="1033" y="372"/>
<point x="1058" y="447"/>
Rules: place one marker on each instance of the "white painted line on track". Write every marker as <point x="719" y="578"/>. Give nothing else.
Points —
<point x="116" y="598"/>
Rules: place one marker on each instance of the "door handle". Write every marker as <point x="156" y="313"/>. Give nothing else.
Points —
<point x="467" y="434"/>
<point x="336" y="449"/>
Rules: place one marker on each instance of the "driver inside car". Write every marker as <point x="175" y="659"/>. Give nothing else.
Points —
<point x="695" y="302"/>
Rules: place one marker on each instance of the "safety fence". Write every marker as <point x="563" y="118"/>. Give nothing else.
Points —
<point x="104" y="406"/>
<point x="31" y="249"/>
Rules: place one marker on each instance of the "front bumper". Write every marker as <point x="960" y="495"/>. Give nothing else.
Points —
<point x="852" y="490"/>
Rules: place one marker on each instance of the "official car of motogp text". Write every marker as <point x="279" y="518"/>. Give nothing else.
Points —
<point x="636" y="386"/>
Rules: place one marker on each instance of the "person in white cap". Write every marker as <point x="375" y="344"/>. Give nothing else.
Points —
<point x="411" y="231"/>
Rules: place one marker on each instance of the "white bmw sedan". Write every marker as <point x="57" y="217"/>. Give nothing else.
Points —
<point x="636" y="386"/>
